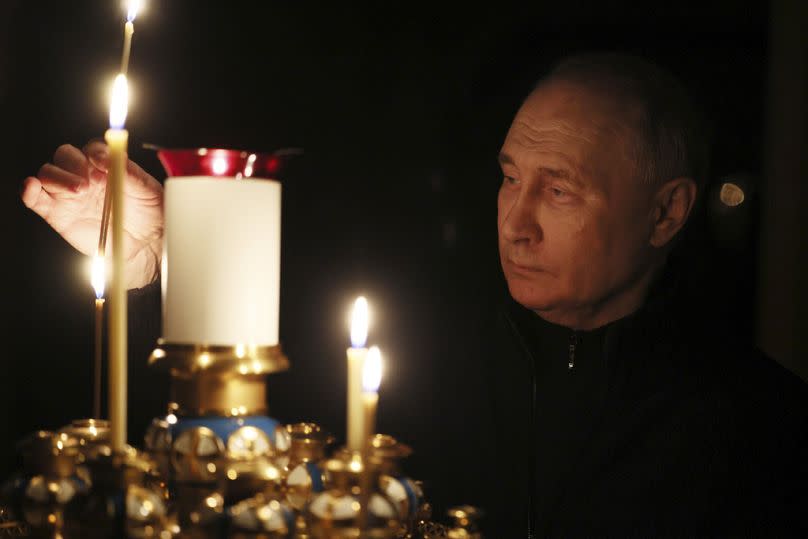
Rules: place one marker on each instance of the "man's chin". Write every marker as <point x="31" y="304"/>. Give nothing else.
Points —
<point x="531" y="295"/>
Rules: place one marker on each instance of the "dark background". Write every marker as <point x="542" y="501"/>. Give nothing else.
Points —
<point x="401" y="110"/>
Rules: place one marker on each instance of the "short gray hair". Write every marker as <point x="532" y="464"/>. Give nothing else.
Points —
<point x="670" y="139"/>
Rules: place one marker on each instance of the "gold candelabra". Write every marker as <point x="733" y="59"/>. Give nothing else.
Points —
<point x="217" y="467"/>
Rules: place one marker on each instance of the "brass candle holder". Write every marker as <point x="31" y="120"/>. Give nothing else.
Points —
<point x="302" y="464"/>
<point x="127" y="499"/>
<point x="48" y="492"/>
<point x="256" y="495"/>
<point x="346" y="511"/>
<point x="407" y="494"/>
<point x="216" y="443"/>
<point x="211" y="380"/>
<point x="218" y="396"/>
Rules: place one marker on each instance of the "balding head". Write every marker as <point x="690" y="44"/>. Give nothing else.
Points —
<point x="665" y="132"/>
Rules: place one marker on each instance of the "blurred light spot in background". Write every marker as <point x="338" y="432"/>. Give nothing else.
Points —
<point x="220" y="166"/>
<point x="731" y="195"/>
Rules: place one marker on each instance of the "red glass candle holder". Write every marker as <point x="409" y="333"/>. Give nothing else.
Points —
<point x="224" y="163"/>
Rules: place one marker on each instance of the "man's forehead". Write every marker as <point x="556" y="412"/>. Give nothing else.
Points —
<point x="565" y="124"/>
<point x="530" y="129"/>
<point x="570" y="108"/>
<point x="559" y="141"/>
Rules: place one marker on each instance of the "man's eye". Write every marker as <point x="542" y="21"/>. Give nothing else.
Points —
<point x="558" y="193"/>
<point x="510" y="180"/>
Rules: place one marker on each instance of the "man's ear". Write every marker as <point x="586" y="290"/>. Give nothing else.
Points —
<point x="673" y="203"/>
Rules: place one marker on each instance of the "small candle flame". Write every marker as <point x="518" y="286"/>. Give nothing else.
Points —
<point x="119" y="102"/>
<point x="98" y="276"/>
<point x="372" y="371"/>
<point x="359" y="323"/>
<point x="132" y="7"/>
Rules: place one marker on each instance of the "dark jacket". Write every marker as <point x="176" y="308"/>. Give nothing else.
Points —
<point x="664" y="425"/>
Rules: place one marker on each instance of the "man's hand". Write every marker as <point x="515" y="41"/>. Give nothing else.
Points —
<point x="69" y="195"/>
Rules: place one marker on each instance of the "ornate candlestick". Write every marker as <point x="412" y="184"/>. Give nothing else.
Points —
<point x="127" y="498"/>
<point x="405" y="492"/>
<point x="302" y="463"/>
<point x="339" y="511"/>
<point x="221" y="271"/>
<point x="48" y="492"/>
<point x="221" y="268"/>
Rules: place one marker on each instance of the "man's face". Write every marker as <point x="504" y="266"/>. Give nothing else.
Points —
<point x="573" y="219"/>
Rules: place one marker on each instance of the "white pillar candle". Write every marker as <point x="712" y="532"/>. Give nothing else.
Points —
<point x="221" y="261"/>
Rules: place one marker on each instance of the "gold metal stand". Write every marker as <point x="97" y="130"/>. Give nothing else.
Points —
<point x="213" y="380"/>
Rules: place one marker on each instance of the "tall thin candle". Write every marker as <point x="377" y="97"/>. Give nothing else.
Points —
<point x="128" y="30"/>
<point x="99" y="262"/>
<point x="98" y="279"/>
<point x="371" y="379"/>
<point x="356" y="361"/>
<point x="117" y="139"/>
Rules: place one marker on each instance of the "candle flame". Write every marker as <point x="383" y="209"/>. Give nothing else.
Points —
<point x="132" y="8"/>
<point x="119" y="102"/>
<point x="359" y="323"/>
<point x="98" y="275"/>
<point x="372" y="370"/>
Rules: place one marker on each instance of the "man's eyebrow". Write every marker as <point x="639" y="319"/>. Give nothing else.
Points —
<point x="559" y="173"/>
<point x="505" y="159"/>
<point x="554" y="172"/>
<point x="564" y="174"/>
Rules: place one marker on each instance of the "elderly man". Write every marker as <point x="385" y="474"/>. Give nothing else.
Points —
<point x="615" y="409"/>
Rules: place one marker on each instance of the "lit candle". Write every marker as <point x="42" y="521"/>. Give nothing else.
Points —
<point x="128" y="30"/>
<point x="356" y="361"/>
<point x="97" y="280"/>
<point x="117" y="138"/>
<point x="371" y="378"/>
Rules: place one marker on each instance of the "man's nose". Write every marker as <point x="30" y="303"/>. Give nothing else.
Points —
<point x="521" y="223"/>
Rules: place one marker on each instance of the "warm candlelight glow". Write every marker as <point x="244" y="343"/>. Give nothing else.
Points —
<point x="219" y="165"/>
<point x="372" y="371"/>
<point x="132" y="8"/>
<point x="98" y="276"/>
<point x="359" y="323"/>
<point x="119" y="102"/>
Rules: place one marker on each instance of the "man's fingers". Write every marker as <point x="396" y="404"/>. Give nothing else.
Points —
<point x="142" y="178"/>
<point x="35" y="197"/>
<point x="30" y="191"/>
<point x="70" y="158"/>
<point x="57" y="180"/>
<point x="97" y="153"/>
